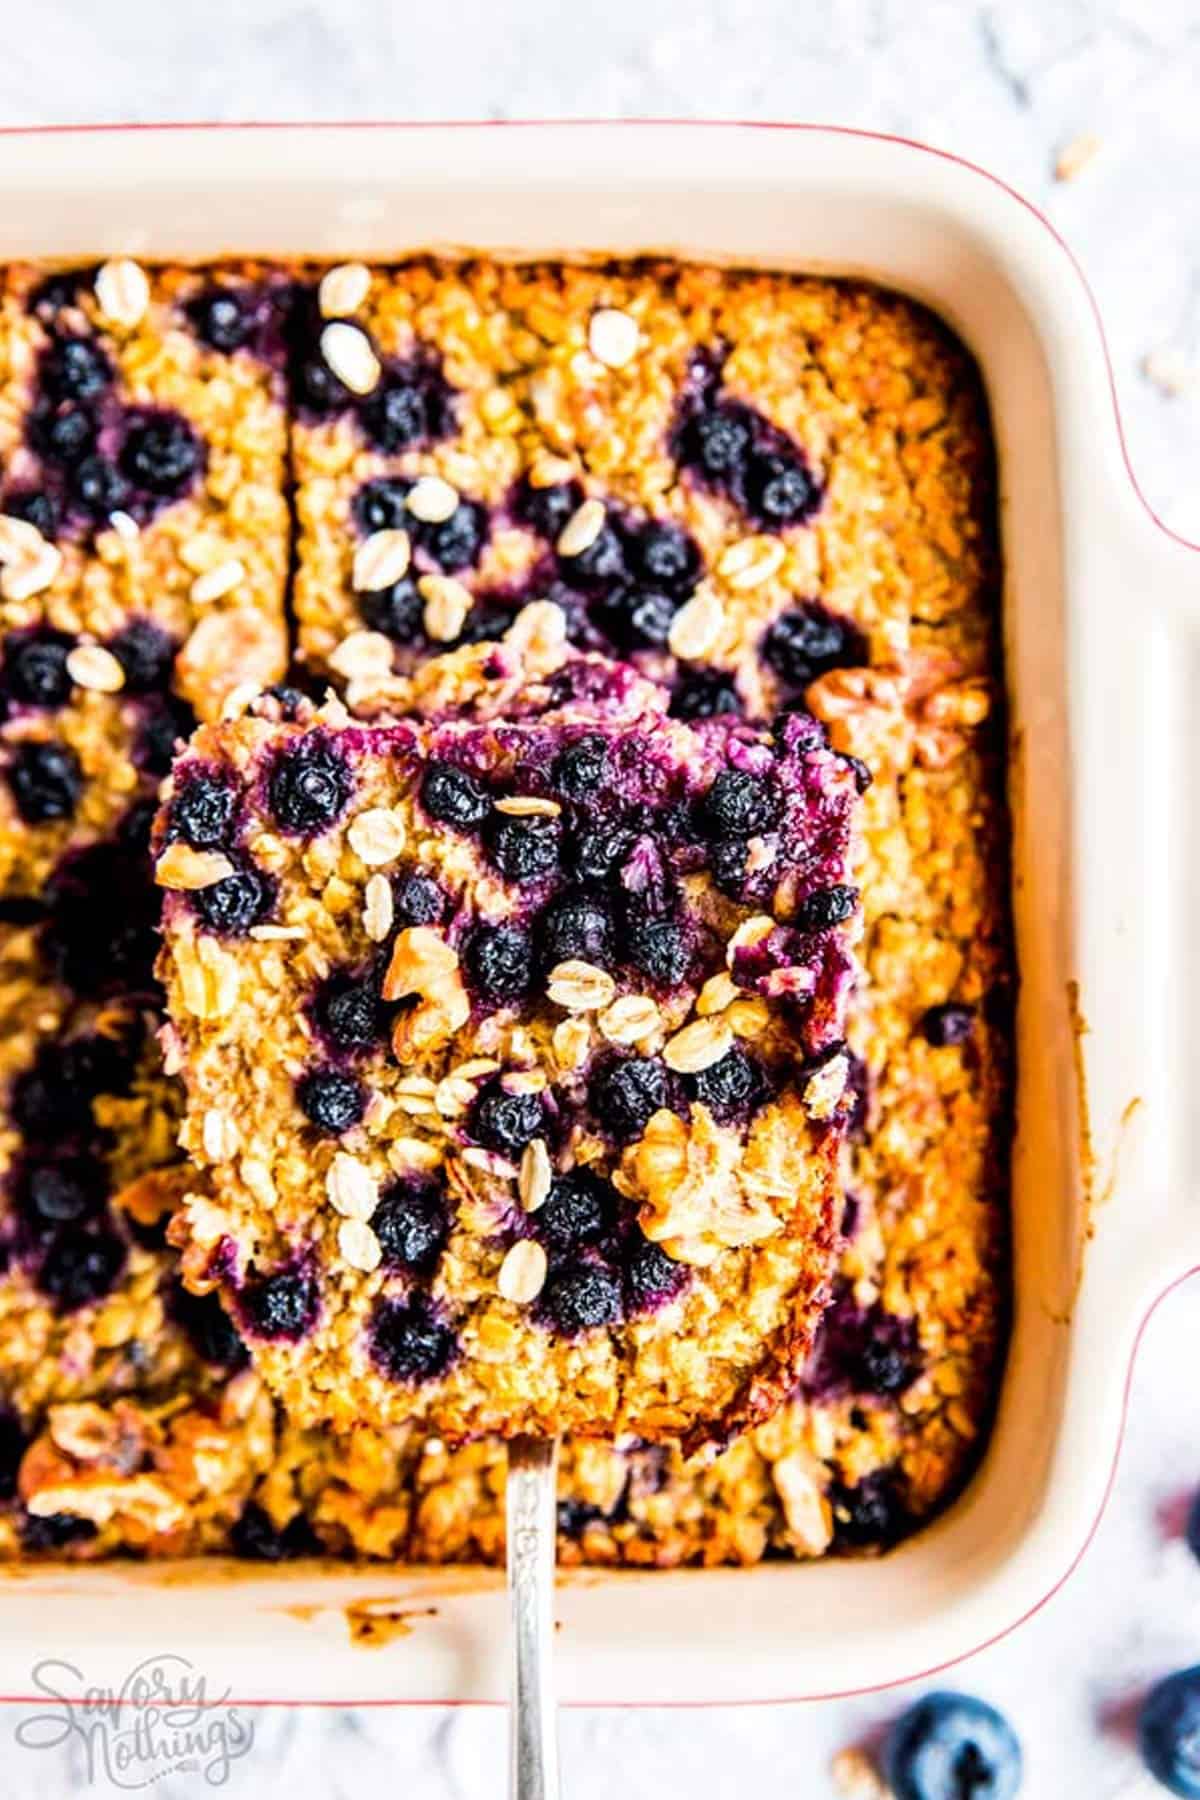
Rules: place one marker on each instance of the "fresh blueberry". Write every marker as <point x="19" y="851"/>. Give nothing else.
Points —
<point x="255" y="1537"/>
<point x="309" y="786"/>
<point x="99" y="486"/>
<point x="547" y="509"/>
<point x="75" y="368"/>
<point x="739" y="803"/>
<point x="146" y="654"/>
<point x="780" y="490"/>
<point x="13" y="1444"/>
<point x="35" y="668"/>
<point x="161" y="453"/>
<point x="627" y="1093"/>
<point x="398" y="611"/>
<point x="81" y="1265"/>
<point x="948" y="1024"/>
<point x="221" y="318"/>
<point x="498" y="960"/>
<point x="409" y="1343"/>
<point x="651" y="1276"/>
<point x="580" y="1209"/>
<point x="61" y="1192"/>
<point x="664" y="557"/>
<point x="826" y="907"/>
<point x="810" y="640"/>
<point x="579" y="768"/>
<point x="660" y="950"/>
<point x="454" y="797"/>
<point x="1169" y="1732"/>
<point x="331" y="1100"/>
<point x="577" y="927"/>
<point x="506" y="1122"/>
<point x="730" y="1086"/>
<point x="36" y="507"/>
<point x="230" y="907"/>
<point x="580" y="1297"/>
<point x="869" y="1515"/>
<point x="202" y="811"/>
<point x="349" y="1014"/>
<point x="704" y="694"/>
<point x="953" y="1747"/>
<point x="284" y="1305"/>
<point x="523" y="848"/>
<point x="63" y="434"/>
<point x="412" y="1223"/>
<point x="46" y="781"/>
<point x="209" y="1329"/>
<point x="418" y="900"/>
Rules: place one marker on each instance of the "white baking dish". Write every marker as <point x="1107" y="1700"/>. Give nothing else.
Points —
<point x="1103" y="645"/>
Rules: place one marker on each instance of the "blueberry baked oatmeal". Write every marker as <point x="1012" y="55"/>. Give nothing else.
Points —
<point x="521" y="1086"/>
<point x="764" y="493"/>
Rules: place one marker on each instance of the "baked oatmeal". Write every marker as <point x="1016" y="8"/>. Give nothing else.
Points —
<point x="880" y="615"/>
<point x="514" y="1047"/>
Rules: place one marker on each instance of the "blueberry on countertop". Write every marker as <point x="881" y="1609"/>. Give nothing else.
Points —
<point x="1169" y="1731"/>
<point x="953" y="1747"/>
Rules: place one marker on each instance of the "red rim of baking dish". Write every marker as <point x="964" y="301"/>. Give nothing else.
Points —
<point x="766" y="125"/>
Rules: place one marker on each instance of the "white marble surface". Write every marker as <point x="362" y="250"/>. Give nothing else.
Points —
<point x="1008" y="85"/>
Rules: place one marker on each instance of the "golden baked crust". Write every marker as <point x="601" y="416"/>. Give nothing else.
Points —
<point x="890" y="411"/>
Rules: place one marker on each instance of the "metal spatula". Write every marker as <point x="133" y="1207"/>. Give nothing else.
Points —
<point x="531" y="1514"/>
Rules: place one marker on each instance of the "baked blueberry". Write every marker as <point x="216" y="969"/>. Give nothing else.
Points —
<point x="626" y="1094"/>
<point x="46" y="781"/>
<point x="202" y="811"/>
<point x="871" y="1514"/>
<point x="506" y="1122"/>
<point x="35" y="668"/>
<point x="382" y="506"/>
<point x="309" y="786"/>
<point x="950" y="1023"/>
<point x="13" y="1445"/>
<point x="651" y="1276"/>
<point x="398" y="611"/>
<point x="208" y="1327"/>
<point x="454" y="797"/>
<point x="255" y="1537"/>
<point x="455" y="543"/>
<point x="808" y="641"/>
<point x="81" y="1265"/>
<point x="523" y="848"/>
<point x="580" y="1297"/>
<point x="826" y="907"/>
<point x="779" y="489"/>
<point x="101" y="934"/>
<point x="418" y="900"/>
<point x="660" y="950"/>
<point x="739" y="803"/>
<point x="580" y="767"/>
<point x="636" y="618"/>
<point x="412" y="405"/>
<point x="349" y="1014"/>
<point x="53" y="1099"/>
<point x="704" y="694"/>
<point x="63" y="434"/>
<point x="54" y="1531"/>
<point x="62" y="1191"/>
<point x="331" y="1100"/>
<point x="600" y="566"/>
<point x="574" y="1516"/>
<point x="717" y="442"/>
<point x="597" y="851"/>
<point x="1169" y="1733"/>
<point x="954" y="1747"/>
<point x="409" y="1343"/>
<point x="75" y="368"/>
<point x="731" y="1086"/>
<point x="547" y="509"/>
<point x="146" y="654"/>
<point x="98" y="486"/>
<point x="412" y="1223"/>
<point x="161" y="453"/>
<point x="498" y="961"/>
<point x="664" y="557"/>
<point x="580" y="1209"/>
<point x="577" y="927"/>
<point x="222" y="318"/>
<point x="284" y="1305"/>
<point x="36" y="507"/>
<point x="230" y="907"/>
